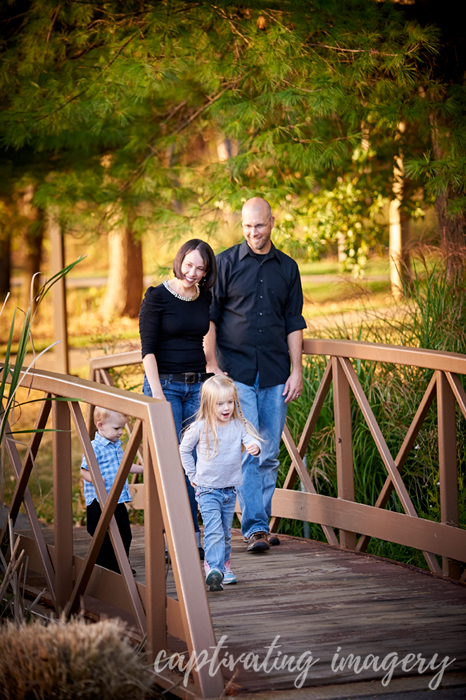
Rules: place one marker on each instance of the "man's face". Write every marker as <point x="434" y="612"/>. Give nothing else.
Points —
<point x="257" y="228"/>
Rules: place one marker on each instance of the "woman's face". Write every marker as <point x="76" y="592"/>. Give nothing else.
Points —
<point x="193" y="268"/>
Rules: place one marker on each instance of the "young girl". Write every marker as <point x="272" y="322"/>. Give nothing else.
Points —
<point x="218" y="434"/>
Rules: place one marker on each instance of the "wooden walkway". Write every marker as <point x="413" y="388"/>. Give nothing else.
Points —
<point x="326" y="603"/>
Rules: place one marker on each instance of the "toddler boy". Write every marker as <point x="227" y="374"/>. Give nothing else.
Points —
<point x="109" y="453"/>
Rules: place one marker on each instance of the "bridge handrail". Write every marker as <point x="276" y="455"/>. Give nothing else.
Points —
<point x="69" y="577"/>
<point x="445" y="539"/>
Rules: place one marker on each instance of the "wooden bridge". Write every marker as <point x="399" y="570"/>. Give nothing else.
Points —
<point x="342" y="618"/>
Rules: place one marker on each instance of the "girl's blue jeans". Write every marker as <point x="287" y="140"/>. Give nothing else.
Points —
<point x="217" y="508"/>
<point x="184" y="400"/>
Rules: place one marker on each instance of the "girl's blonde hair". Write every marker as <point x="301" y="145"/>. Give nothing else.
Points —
<point x="215" y="389"/>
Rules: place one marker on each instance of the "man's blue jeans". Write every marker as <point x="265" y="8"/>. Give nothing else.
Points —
<point x="266" y="410"/>
<point x="184" y="400"/>
<point x="217" y="508"/>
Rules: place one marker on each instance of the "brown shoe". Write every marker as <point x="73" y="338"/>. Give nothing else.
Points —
<point x="273" y="540"/>
<point x="257" y="542"/>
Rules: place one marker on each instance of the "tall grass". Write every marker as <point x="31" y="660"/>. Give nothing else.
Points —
<point x="11" y="377"/>
<point x="433" y="317"/>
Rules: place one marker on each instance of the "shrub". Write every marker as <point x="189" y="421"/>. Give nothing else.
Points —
<point x="70" y="661"/>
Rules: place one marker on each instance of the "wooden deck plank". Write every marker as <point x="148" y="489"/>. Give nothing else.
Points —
<point x="326" y="601"/>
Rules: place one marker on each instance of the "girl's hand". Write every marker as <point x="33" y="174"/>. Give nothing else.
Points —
<point x="193" y="485"/>
<point x="253" y="449"/>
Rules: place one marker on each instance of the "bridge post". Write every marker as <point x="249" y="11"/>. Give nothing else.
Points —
<point x="447" y="464"/>
<point x="343" y="444"/>
<point x="156" y="603"/>
<point x="63" y="503"/>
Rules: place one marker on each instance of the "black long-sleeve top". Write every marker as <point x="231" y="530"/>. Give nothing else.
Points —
<point x="173" y="330"/>
<point x="257" y="303"/>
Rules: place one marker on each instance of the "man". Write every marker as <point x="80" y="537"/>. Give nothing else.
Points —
<point x="256" y="328"/>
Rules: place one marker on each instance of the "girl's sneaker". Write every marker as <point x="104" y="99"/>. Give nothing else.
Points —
<point x="214" y="580"/>
<point x="228" y="575"/>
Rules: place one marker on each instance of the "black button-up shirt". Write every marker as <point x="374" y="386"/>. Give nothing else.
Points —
<point x="257" y="302"/>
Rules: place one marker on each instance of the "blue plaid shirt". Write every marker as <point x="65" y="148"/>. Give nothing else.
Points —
<point x="109" y="455"/>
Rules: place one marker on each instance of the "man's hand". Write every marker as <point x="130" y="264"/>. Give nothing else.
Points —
<point x="293" y="386"/>
<point x="253" y="449"/>
<point x="214" y="368"/>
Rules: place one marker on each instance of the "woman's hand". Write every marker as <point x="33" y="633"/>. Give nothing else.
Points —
<point x="158" y="394"/>
<point x="152" y="374"/>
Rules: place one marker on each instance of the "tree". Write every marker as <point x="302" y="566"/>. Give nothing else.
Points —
<point x="290" y="85"/>
<point x="442" y="167"/>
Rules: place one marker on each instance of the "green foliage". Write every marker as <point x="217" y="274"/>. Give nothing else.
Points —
<point x="125" y="103"/>
<point x="343" y="216"/>
<point x="435" y="318"/>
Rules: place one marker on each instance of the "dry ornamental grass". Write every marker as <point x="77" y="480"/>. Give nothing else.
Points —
<point x="70" y="661"/>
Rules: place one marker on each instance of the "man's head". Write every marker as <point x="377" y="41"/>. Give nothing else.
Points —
<point x="257" y="222"/>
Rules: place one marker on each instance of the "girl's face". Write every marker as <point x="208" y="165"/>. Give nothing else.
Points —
<point x="224" y="409"/>
<point x="192" y="268"/>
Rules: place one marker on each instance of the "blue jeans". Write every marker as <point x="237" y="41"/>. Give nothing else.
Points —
<point x="184" y="400"/>
<point x="266" y="410"/>
<point x="217" y="508"/>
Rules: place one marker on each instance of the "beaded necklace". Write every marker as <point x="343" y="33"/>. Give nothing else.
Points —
<point x="178" y="296"/>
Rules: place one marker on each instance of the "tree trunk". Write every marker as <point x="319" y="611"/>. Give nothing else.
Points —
<point x="452" y="233"/>
<point x="5" y="258"/>
<point x="452" y="227"/>
<point x="60" y="316"/>
<point x="125" y="274"/>
<point x="33" y="238"/>
<point x="399" y="230"/>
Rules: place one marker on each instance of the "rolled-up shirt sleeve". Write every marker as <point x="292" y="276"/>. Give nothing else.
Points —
<point x="150" y="317"/>
<point x="294" y="320"/>
<point x="248" y="439"/>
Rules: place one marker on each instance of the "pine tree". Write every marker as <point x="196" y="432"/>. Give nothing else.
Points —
<point x="117" y="96"/>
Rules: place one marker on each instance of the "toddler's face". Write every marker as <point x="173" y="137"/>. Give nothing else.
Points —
<point x="224" y="409"/>
<point x="112" y="427"/>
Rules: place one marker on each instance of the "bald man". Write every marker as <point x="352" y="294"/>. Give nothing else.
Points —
<point x="256" y="333"/>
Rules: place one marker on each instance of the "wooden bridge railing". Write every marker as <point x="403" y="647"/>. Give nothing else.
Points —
<point x="445" y="539"/>
<point x="69" y="577"/>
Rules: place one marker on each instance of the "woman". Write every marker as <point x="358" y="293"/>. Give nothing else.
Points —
<point x="173" y="320"/>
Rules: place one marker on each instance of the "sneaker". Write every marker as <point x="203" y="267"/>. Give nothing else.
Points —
<point x="214" y="580"/>
<point x="273" y="540"/>
<point x="257" y="542"/>
<point x="228" y="575"/>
